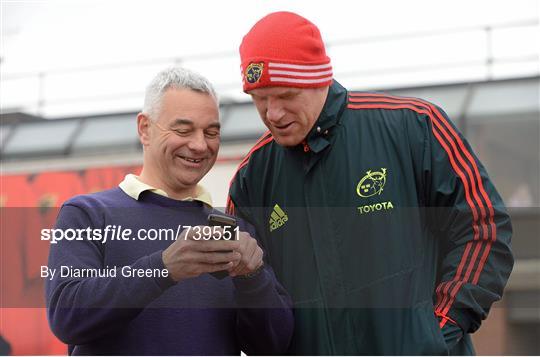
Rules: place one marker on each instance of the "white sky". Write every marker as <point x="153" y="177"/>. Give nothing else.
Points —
<point x="47" y="36"/>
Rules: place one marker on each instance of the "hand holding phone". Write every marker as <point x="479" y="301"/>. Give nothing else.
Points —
<point x="229" y="224"/>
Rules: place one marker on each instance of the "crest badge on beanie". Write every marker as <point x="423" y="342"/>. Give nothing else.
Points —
<point x="284" y="49"/>
<point x="254" y="72"/>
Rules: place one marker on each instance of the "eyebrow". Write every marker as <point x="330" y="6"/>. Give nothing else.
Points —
<point x="182" y="122"/>
<point x="189" y="122"/>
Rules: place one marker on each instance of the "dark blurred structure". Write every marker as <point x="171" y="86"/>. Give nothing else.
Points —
<point x="5" y="348"/>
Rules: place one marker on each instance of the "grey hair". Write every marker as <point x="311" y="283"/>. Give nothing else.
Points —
<point x="177" y="78"/>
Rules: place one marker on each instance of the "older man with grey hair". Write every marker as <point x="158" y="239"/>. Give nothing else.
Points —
<point x="138" y="294"/>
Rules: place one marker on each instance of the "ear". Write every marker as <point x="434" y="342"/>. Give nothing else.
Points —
<point x="143" y="128"/>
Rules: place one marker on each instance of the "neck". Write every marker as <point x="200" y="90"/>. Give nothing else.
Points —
<point x="177" y="193"/>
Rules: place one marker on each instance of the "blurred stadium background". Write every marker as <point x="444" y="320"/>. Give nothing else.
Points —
<point x="59" y="137"/>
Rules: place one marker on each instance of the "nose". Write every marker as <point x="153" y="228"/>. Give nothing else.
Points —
<point x="274" y="111"/>
<point x="198" y="143"/>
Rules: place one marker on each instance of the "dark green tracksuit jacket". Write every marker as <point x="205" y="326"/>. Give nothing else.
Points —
<point x="383" y="226"/>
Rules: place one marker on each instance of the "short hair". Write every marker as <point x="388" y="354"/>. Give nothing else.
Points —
<point x="177" y="78"/>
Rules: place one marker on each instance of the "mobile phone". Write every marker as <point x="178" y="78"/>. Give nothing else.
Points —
<point x="222" y="220"/>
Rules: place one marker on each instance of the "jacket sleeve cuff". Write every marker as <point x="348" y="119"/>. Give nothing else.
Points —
<point x="452" y="334"/>
<point x="463" y="318"/>
<point x="450" y="329"/>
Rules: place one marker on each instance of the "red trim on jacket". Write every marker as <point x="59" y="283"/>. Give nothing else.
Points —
<point x="263" y="140"/>
<point x="444" y="319"/>
<point x="472" y="182"/>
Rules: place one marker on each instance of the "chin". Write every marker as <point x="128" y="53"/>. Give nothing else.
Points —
<point x="192" y="181"/>
<point x="187" y="178"/>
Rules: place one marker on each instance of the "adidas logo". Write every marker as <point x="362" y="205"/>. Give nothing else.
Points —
<point x="277" y="218"/>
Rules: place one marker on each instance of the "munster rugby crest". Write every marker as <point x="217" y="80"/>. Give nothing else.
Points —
<point x="254" y="72"/>
<point x="372" y="183"/>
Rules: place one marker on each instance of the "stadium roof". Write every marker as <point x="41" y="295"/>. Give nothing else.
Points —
<point x="25" y="137"/>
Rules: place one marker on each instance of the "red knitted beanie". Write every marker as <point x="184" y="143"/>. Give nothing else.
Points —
<point x="284" y="49"/>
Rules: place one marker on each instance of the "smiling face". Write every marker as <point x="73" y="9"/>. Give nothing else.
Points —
<point x="181" y="144"/>
<point x="289" y="113"/>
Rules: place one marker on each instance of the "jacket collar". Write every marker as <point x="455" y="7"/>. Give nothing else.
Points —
<point x="319" y="136"/>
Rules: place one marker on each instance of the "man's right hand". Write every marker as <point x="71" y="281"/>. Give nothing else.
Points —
<point x="188" y="257"/>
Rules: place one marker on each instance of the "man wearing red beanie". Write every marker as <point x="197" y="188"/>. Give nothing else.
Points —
<point x="373" y="210"/>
